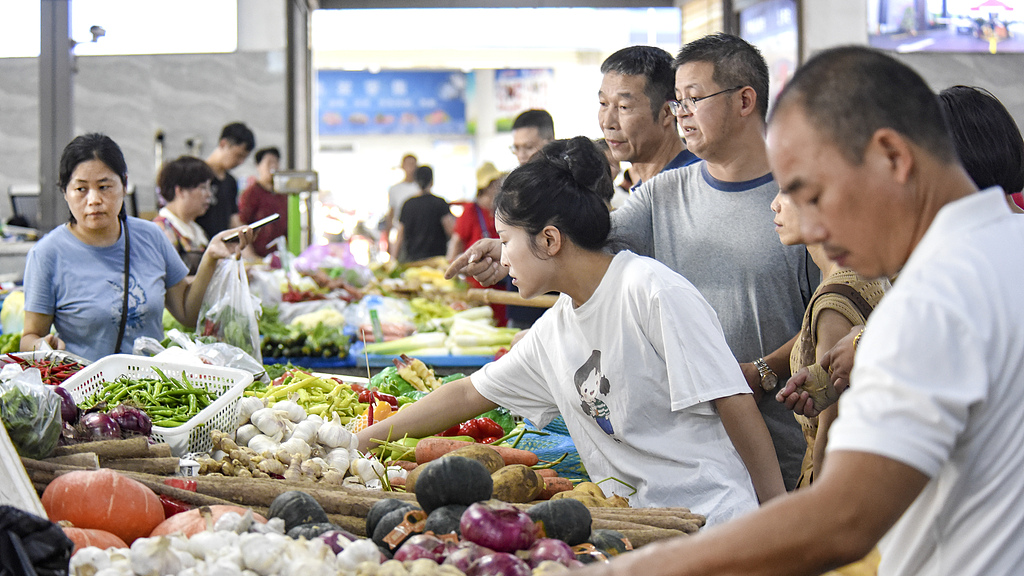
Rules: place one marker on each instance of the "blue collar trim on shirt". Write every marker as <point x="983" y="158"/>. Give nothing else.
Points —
<point x="684" y="158"/>
<point x="733" y="186"/>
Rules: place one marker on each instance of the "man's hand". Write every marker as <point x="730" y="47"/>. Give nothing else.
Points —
<point x="482" y="261"/>
<point x="839" y="360"/>
<point x="794" y="398"/>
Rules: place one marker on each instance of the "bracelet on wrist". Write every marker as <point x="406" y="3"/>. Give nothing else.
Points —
<point x="856" y="339"/>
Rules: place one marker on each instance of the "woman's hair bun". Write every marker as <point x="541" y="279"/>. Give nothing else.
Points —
<point x="584" y="161"/>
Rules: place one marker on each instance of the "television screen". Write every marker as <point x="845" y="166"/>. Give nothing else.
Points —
<point x="947" y="25"/>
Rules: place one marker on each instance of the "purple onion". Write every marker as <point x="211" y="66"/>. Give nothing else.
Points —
<point x="551" y="549"/>
<point x="499" y="564"/>
<point x="337" y="539"/>
<point x="465" y="554"/>
<point x="421" y="546"/>
<point x="131" y="419"/>
<point x="99" y="426"/>
<point x="68" y="409"/>
<point x="500" y="527"/>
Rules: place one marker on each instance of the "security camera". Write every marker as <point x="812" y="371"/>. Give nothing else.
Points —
<point x="97" y="32"/>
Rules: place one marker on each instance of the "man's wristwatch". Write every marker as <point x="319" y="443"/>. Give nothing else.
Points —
<point x="769" y="379"/>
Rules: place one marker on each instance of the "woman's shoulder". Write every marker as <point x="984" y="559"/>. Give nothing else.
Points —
<point x="145" y="227"/>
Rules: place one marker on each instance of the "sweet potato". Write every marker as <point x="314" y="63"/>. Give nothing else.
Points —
<point x="553" y="485"/>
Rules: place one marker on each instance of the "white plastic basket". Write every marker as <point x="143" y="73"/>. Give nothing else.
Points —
<point x="55" y="355"/>
<point x="224" y="384"/>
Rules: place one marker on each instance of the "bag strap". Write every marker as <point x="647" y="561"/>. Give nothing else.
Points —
<point x="124" y="303"/>
<point x="850" y="293"/>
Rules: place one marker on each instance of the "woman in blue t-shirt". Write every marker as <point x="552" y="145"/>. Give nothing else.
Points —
<point x="104" y="279"/>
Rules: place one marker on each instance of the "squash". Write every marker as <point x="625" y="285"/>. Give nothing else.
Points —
<point x="454" y="480"/>
<point x="104" y="500"/>
<point x="567" y="520"/>
<point x="296" y="507"/>
<point x="312" y="530"/>
<point x="587" y="500"/>
<point x="85" y="537"/>
<point x="611" y="542"/>
<point x="516" y="483"/>
<point x="380" y="508"/>
<point x="414" y="517"/>
<point x="192" y="522"/>
<point x="445" y="519"/>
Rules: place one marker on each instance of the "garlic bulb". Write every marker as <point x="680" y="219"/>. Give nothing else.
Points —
<point x="333" y="434"/>
<point x="88" y="561"/>
<point x="247" y="405"/>
<point x="338" y="458"/>
<point x="271" y="422"/>
<point x="306" y="430"/>
<point x="294" y="446"/>
<point x="208" y="545"/>
<point x="291" y="410"/>
<point x="366" y="469"/>
<point x="262" y="444"/>
<point x="355" y="553"/>
<point x="245" y="433"/>
<point x="263" y="553"/>
<point x="154" y="557"/>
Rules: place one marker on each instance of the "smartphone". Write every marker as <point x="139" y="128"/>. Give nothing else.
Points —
<point x="253" y="226"/>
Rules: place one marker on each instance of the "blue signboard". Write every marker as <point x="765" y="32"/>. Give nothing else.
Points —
<point x="391" y="102"/>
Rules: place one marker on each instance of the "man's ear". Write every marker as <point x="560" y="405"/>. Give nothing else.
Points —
<point x="748" y="101"/>
<point x="550" y="240"/>
<point x="893" y="152"/>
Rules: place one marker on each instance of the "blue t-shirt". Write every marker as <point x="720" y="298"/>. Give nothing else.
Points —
<point x="81" y="286"/>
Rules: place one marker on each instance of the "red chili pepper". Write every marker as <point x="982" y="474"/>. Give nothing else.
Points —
<point x="365" y="396"/>
<point x="490" y="439"/>
<point x="471" y="428"/>
<point x="357" y="387"/>
<point x="453" y="431"/>
<point x="489" y="428"/>
<point x="173" y="506"/>
<point x="387" y="398"/>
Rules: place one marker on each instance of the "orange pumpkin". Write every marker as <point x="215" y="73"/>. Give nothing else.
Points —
<point x="85" y="537"/>
<point x="192" y="522"/>
<point x="104" y="500"/>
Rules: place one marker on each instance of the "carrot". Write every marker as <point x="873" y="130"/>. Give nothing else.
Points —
<point x="404" y="464"/>
<point x="432" y="448"/>
<point x="554" y="485"/>
<point x="546" y="472"/>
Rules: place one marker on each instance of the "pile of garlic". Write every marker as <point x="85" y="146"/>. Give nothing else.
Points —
<point x="284" y="441"/>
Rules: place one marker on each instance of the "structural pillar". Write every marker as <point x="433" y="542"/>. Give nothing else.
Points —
<point x="56" y="119"/>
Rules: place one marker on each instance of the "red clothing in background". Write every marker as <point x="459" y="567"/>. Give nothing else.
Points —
<point x="257" y="202"/>
<point x="470" y="228"/>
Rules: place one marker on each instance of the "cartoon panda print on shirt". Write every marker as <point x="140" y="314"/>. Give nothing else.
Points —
<point x="136" y="303"/>
<point x="590" y="383"/>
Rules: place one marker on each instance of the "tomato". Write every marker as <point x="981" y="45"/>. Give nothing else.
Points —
<point x="453" y="431"/>
<point x="470" y="428"/>
<point x="489" y="428"/>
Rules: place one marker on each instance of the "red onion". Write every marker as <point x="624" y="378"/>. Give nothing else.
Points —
<point x="68" y="409"/>
<point x="551" y="549"/>
<point x="501" y="527"/>
<point x="337" y="539"/>
<point x="499" y="564"/>
<point x="465" y="554"/>
<point x="131" y="419"/>
<point x="421" y="546"/>
<point x="99" y="426"/>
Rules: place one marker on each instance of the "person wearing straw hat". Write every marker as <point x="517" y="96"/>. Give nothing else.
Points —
<point x="477" y="221"/>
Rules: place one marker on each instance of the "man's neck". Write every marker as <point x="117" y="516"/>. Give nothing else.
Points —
<point x="217" y="165"/>
<point x="650" y="167"/>
<point x="745" y="158"/>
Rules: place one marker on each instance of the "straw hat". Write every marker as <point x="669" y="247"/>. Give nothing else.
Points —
<point x="486" y="174"/>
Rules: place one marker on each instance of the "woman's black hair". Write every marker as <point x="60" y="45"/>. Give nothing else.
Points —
<point x="186" y="172"/>
<point x="985" y="137"/>
<point x="87" y="147"/>
<point x="563" y="186"/>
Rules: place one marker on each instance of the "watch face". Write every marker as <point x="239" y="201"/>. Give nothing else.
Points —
<point x="769" y="381"/>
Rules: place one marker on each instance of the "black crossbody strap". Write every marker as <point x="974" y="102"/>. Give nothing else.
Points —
<point x="124" y="303"/>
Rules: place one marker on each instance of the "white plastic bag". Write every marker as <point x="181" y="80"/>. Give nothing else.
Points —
<point x="230" y="312"/>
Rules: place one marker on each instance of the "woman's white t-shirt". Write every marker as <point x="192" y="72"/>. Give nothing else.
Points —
<point x="634" y="371"/>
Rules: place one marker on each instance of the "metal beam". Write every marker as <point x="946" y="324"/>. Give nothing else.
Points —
<point x="341" y="4"/>
<point x="298" y="86"/>
<point x="56" y="119"/>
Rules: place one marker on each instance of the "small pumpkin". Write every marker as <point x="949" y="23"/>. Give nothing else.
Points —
<point x="104" y="500"/>
<point x="567" y="520"/>
<point x="380" y="509"/>
<point x="296" y="508"/>
<point x="454" y="480"/>
<point x="192" y="522"/>
<point x="85" y="537"/>
<point x="610" y="542"/>
<point x="312" y="530"/>
<point x="445" y="520"/>
<point x="414" y="518"/>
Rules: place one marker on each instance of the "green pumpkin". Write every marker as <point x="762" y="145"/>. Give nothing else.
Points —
<point x="611" y="542"/>
<point x="454" y="480"/>
<point x="567" y="520"/>
<point x="296" y="508"/>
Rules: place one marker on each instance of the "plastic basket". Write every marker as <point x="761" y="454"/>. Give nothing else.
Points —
<point x="226" y="384"/>
<point x="45" y="355"/>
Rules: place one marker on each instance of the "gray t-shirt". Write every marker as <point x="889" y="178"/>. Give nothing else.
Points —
<point x="720" y="236"/>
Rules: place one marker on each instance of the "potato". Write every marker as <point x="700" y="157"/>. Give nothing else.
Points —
<point x="483" y="454"/>
<point x="616" y="501"/>
<point x="590" y="488"/>
<point x="517" y="483"/>
<point x="587" y="499"/>
<point x="410" y="479"/>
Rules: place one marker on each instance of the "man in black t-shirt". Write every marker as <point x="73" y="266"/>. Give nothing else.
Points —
<point x="426" y="222"/>
<point x="235" y="144"/>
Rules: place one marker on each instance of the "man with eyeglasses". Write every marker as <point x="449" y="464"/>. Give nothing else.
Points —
<point x="531" y="130"/>
<point x="711" y="221"/>
<point x="634" y="115"/>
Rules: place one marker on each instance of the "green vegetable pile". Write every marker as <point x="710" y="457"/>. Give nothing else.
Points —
<point x="169" y="402"/>
<point x="283" y="341"/>
<point x="31" y="415"/>
<point x="10" y="342"/>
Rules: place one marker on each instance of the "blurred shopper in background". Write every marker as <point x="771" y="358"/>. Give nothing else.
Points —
<point x="531" y="130"/>
<point x="477" y="221"/>
<point x="397" y="195"/>
<point x="234" y="146"/>
<point x="259" y="201"/>
<point x="185" y="186"/>
<point x="638" y="124"/>
<point x="426" y="223"/>
<point x="620" y="194"/>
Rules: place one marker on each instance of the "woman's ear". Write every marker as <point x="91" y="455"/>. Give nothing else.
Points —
<point x="550" y="240"/>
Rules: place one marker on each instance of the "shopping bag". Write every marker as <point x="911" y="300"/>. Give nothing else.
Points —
<point x="230" y="313"/>
<point x="32" y="546"/>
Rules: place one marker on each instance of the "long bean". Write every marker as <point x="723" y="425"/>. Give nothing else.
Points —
<point x="168" y="401"/>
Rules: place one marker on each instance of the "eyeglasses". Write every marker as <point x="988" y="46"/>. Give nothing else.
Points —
<point x="690" y="104"/>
